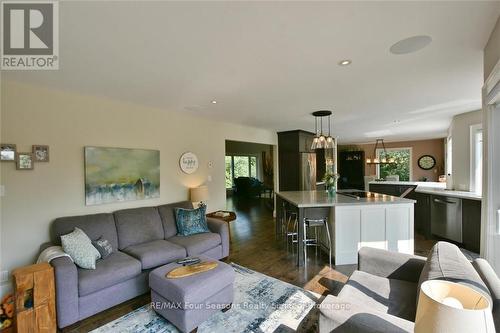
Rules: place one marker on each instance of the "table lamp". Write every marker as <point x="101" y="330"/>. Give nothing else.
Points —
<point x="199" y="194"/>
<point x="445" y="306"/>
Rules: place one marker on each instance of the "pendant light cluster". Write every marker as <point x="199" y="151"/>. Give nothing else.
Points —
<point x="321" y="141"/>
<point x="383" y="160"/>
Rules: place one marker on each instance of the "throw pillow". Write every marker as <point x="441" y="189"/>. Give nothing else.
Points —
<point x="79" y="247"/>
<point x="103" y="246"/>
<point x="191" y="221"/>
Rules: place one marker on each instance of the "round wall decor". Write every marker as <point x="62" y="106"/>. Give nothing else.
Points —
<point x="426" y="162"/>
<point x="188" y="162"/>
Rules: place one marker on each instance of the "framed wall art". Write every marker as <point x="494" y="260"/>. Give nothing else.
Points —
<point x="24" y="161"/>
<point x="41" y="153"/>
<point x="8" y="152"/>
<point x="121" y="174"/>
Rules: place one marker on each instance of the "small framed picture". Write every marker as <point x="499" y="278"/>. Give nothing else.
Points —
<point x="7" y="152"/>
<point x="41" y="153"/>
<point x="24" y="161"/>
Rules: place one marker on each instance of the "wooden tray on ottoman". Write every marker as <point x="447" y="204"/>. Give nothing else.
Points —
<point x="184" y="271"/>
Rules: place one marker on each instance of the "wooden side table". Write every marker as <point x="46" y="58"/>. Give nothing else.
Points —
<point x="34" y="290"/>
<point x="228" y="219"/>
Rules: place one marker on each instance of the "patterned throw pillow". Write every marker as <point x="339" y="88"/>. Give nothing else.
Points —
<point x="103" y="246"/>
<point x="79" y="247"/>
<point x="191" y="221"/>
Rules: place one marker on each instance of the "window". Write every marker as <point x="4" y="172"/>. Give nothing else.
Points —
<point x="476" y="158"/>
<point x="449" y="150"/>
<point x="240" y="166"/>
<point x="229" y="172"/>
<point x="402" y="168"/>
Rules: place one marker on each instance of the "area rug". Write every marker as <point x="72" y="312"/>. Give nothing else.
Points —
<point x="261" y="304"/>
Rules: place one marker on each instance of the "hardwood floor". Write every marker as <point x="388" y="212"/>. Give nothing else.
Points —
<point x="255" y="246"/>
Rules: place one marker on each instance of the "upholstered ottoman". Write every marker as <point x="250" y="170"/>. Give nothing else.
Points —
<point x="189" y="301"/>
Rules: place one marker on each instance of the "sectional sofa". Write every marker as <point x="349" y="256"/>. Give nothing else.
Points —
<point x="142" y="239"/>
<point x="382" y="295"/>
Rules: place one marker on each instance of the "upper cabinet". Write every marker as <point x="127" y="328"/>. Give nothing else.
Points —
<point x="292" y="145"/>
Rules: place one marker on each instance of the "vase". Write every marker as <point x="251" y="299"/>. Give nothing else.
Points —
<point x="331" y="190"/>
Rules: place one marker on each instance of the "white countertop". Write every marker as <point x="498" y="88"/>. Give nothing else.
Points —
<point x="434" y="188"/>
<point x="304" y="199"/>
<point x="422" y="184"/>
<point x="449" y="193"/>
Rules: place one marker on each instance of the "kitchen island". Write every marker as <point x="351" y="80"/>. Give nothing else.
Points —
<point x="356" y="219"/>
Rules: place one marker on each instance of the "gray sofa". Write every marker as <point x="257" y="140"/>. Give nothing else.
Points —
<point x="381" y="296"/>
<point x="142" y="239"/>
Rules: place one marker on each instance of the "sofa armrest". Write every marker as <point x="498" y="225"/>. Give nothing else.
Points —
<point x="392" y="265"/>
<point x="44" y="246"/>
<point x="492" y="281"/>
<point x="339" y="315"/>
<point x="66" y="278"/>
<point x="220" y="227"/>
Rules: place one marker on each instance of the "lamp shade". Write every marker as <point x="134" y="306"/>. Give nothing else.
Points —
<point x="199" y="194"/>
<point x="445" y="306"/>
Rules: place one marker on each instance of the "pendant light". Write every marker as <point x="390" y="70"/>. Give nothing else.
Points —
<point x="321" y="141"/>
<point x="382" y="160"/>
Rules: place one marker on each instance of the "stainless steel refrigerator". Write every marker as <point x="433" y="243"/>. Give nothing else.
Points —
<point x="307" y="172"/>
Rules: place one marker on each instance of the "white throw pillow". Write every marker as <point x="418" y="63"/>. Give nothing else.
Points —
<point x="79" y="247"/>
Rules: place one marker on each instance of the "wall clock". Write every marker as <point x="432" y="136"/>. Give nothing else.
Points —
<point x="188" y="162"/>
<point x="426" y="162"/>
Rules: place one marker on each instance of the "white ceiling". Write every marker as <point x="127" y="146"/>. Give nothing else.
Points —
<point x="270" y="64"/>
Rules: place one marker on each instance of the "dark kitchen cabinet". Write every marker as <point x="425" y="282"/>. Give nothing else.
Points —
<point x="352" y="170"/>
<point x="471" y="224"/>
<point x="291" y="146"/>
<point x="470" y="215"/>
<point x="422" y="214"/>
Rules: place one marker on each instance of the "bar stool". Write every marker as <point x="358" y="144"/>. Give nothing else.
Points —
<point x="316" y="218"/>
<point x="291" y="218"/>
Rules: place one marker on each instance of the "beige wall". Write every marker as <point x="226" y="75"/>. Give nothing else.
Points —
<point x="460" y="134"/>
<point x="434" y="147"/>
<point x="67" y="122"/>
<point x="492" y="50"/>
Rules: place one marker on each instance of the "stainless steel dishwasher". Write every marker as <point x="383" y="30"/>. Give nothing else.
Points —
<point x="446" y="217"/>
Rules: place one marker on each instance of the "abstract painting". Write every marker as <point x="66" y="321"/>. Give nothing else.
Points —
<point x="120" y="174"/>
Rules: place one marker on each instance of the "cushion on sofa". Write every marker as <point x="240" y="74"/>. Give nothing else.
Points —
<point x="191" y="221"/>
<point x="155" y="253"/>
<point x="79" y="247"/>
<point x="94" y="226"/>
<point x="116" y="268"/>
<point x="197" y="244"/>
<point x="103" y="246"/>
<point x="395" y="297"/>
<point x="447" y="262"/>
<point x="137" y="226"/>
<point x="167" y="214"/>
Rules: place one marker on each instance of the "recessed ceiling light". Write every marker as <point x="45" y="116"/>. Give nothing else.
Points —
<point x="214" y="101"/>
<point x="345" y="62"/>
<point x="411" y="44"/>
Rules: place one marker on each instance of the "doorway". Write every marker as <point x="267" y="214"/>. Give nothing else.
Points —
<point x="249" y="174"/>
